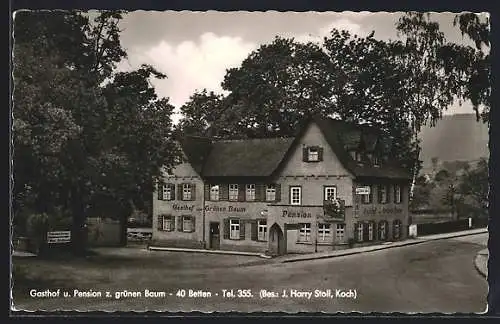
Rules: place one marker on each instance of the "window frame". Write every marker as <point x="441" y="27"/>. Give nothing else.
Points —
<point x="360" y="231"/>
<point x="212" y="196"/>
<point x="314" y="150"/>
<point x="341" y="230"/>
<point x="324" y="232"/>
<point x="292" y="188"/>
<point x="238" y="224"/>
<point x="325" y="192"/>
<point x="262" y="226"/>
<point x="271" y="188"/>
<point x="398" y="194"/>
<point x="383" y="189"/>
<point x="304" y="228"/>
<point x="370" y="196"/>
<point x="187" y="191"/>
<point x="167" y="189"/>
<point x="371" y="231"/>
<point x="172" y="223"/>
<point x="231" y="190"/>
<point x="249" y="191"/>
<point x="190" y="219"/>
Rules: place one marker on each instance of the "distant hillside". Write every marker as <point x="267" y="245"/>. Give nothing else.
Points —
<point x="455" y="137"/>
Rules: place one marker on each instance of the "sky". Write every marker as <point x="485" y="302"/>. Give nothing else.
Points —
<point x="194" y="49"/>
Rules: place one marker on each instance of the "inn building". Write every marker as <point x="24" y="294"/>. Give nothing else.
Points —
<point x="329" y="187"/>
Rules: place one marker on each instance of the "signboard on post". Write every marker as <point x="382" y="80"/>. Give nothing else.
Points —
<point x="58" y="237"/>
<point x="365" y="190"/>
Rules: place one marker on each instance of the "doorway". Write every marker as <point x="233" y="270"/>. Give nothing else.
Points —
<point x="276" y="240"/>
<point x="214" y="236"/>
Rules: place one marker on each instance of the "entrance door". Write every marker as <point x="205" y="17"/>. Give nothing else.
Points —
<point x="276" y="240"/>
<point x="214" y="235"/>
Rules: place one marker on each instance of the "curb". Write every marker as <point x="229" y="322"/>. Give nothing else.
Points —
<point x="158" y="248"/>
<point x="478" y="260"/>
<point x="384" y="247"/>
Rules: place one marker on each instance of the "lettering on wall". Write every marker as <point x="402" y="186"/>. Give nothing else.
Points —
<point x="296" y="214"/>
<point x="382" y="210"/>
<point x="230" y="209"/>
<point x="182" y="207"/>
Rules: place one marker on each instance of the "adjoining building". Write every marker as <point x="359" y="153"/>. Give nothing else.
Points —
<point x="329" y="187"/>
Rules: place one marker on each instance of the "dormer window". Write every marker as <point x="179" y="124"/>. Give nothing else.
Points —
<point x="313" y="154"/>
<point x="356" y="156"/>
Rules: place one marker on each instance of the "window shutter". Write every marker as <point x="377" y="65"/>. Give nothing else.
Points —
<point x="193" y="224"/>
<point x="320" y="153"/>
<point x="278" y="192"/>
<point x="179" y="223"/>
<point x="172" y="191"/>
<point x="304" y="154"/>
<point x="388" y="191"/>
<point x="254" y="230"/>
<point x="370" y="196"/>
<point x="379" y="192"/>
<point x="241" y="192"/>
<point x="242" y="230"/>
<point x="179" y="191"/>
<point x="226" y="229"/>
<point x="224" y="191"/>
<point x="160" y="222"/>
<point x="365" y="232"/>
<point x="160" y="191"/>
<point x="193" y="191"/>
<point x="207" y="191"/>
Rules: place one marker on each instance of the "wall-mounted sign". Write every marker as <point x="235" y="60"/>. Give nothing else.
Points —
<point x="59" y="237"/>
<point x="365" y="190"/>
<point x="334" y="208"/>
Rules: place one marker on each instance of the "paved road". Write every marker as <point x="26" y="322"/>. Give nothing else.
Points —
<point x="436" y="276"/>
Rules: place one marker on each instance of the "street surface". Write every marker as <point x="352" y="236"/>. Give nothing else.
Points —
<point x="436" y="276"/>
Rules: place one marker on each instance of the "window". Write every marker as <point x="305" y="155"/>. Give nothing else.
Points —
<point x="304" y="232"/>
<point x="167" y="192"/>
<point x="186" y="191"/>
<point x="214" y="192"/>
<point x="324" y="233"/>
<point x="312" y="154"/>
<point x="187" y="224"/>
<point x="233" y="192"/>
<point x="250" y="193"/>
<point x="262" y="230"/>
<point x="397" y="229"/>
<point x="370" y="231"/>
<point x="360" y="232"/>
<point x="376" y="161"/>
<point x="382" y="231"/>
<point x="168" y="223"/>
<point x="382" y="194"/>
<point x="295" y="195"/>
<point x="234" y="229"/>
<point x="271" y="192"/>
<point x="397" y="194"/>
<point x="367" y="199"/>
<point x="339" y="234"/>
<point x="330" y="193"/>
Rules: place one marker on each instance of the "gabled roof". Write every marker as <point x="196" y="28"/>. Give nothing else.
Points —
<point x="265" y="157"/>
<point x="250" y="157"/>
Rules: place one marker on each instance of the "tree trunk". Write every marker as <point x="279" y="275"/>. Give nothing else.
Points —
<point x="79" y="229"/>
<point x="123" y="229"/>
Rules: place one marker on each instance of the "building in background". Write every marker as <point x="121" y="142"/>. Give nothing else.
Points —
<point x="327" y="188"/>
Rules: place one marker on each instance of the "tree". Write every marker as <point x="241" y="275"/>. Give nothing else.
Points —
<point x="474" y="185"/>
<point x="86" y="139"/>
